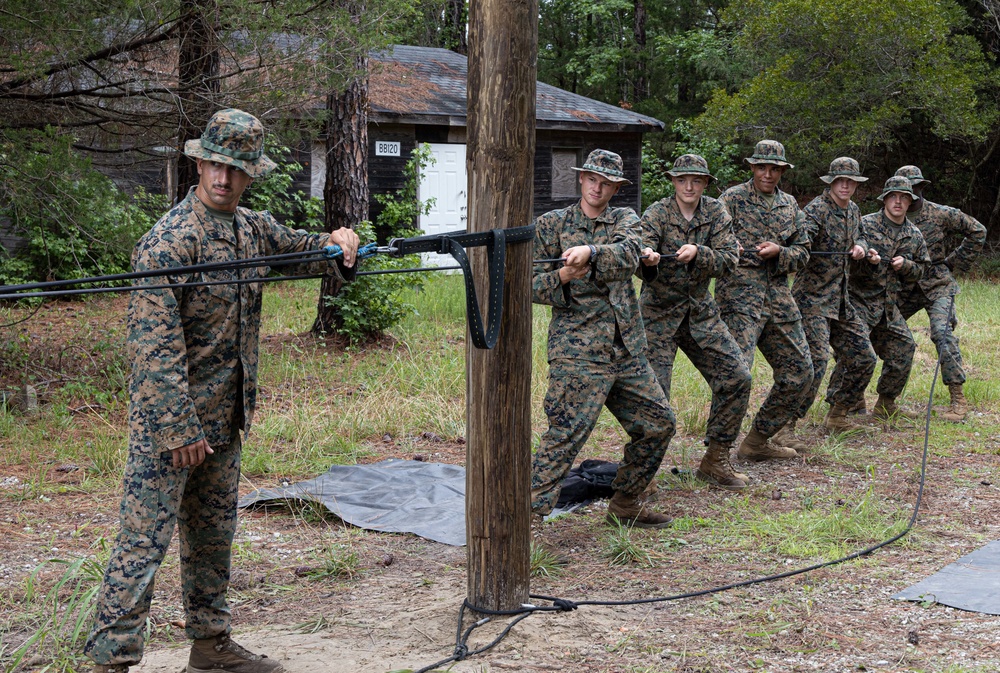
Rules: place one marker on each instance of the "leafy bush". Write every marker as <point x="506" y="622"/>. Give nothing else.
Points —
<point x="273" y="193"/>
<point x="721" y="158"/>
<point x="75" y="221"/>
<point x="372" y="304"/>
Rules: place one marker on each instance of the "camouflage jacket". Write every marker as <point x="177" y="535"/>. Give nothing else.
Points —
<point x="875" y="287"/>
<point x="586" y="311"/>
<point x="759" y="288"/>
<point x="671" y="291"/>
<point x="821" y="287"/>
<point x="953" y="240"/>
<point x="192" y="349"/>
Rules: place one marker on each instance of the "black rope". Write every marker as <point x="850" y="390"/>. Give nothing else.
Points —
<point x="564" y="605"/>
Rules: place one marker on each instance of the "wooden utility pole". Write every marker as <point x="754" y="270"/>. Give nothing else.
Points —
<point x="503" y="49"/>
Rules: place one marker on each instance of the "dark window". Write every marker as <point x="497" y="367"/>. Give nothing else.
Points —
<point x="565" y="183"/>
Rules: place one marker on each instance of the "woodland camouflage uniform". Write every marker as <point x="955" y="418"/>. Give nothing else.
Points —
<point x="194" y="376"/>
<point x="874" y="291"/>
<point x="821" y="293"/>
<point x="756" y="302"/>
<point x="953" y="240"/>
<point x="596" y="352"/>
<point x="679" y="311"/>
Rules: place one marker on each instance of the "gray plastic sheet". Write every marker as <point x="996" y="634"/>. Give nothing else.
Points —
<point x="393" y="496"/>
<point x="971" y="583"/>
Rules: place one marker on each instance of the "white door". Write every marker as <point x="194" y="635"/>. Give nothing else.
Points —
<point x="445" y="182"/>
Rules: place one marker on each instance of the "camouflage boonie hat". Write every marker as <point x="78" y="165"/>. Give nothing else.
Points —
<point x="843" y="167"/>
<point x="897" y="183"/>
<point x="690" y="164"/>
<point x="913" y="174"/>
<point x="769" y="152"/>
<point x="607" y="164"/>
<point x="233" y="137"/>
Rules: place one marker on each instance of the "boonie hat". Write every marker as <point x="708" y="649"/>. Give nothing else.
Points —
<point x="235" y="138"/>
<point x="607" y="164"/>
<point x="690" y="164"/>
<point x="843" y="167"/>
<point x="913" y="174"/>
<point x="897" y="183"/>
<point x="769" y="152"/>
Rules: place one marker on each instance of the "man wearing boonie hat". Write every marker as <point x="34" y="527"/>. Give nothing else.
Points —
<point x="755" y="300"/>
<point x="896" y="255"/>
<point x="679" y="311"/>
<point x="953" y="240"/>
<point x="192" y="391"/>
<point x="597" y="346"/>
<point x="820" y="290"/>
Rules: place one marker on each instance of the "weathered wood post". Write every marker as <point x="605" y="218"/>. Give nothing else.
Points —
<point x="503" y="48"/>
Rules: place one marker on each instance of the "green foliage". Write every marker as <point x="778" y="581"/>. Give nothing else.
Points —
<point x="75" y="220"/>
<point x="274" y="192"/>
<point x="721" y="157"/>
<point x="833" y="79"/>
<point x="620" y="549"/>
<point x="372" y="304"/>
<point x="543" y="562"/>
<point x="61" y="618"/>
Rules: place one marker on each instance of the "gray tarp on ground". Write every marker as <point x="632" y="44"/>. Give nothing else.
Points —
<point x="393" y="496"/>
<point x="970" y="583"/>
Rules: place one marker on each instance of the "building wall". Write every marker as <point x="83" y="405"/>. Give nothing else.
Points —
<point x="385" y="174"/>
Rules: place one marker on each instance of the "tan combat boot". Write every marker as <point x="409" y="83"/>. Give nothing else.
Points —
<point x="786" y="438"/>
<point x="756" y="447"/>
<point x="858" y="408"/>
<point x="628" y="510"/>
<point x="837" y="421"/>
<point x="716" y="469"/>
<point x="222" y="653"/>
<point x="959" y="407"/>
<point x="886" y="409"/>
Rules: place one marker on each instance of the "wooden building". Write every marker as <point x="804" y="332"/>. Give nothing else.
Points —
<point x="418" y="95"/>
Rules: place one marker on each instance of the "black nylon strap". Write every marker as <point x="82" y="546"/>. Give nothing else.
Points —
<point x="454" y="243"/>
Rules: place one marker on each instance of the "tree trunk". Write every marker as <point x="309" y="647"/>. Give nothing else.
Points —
<point x="345" y="192"/>
<point x="455" y="27"/>
<point x="198" y="81"/>
<point x="640" y="87"/>
<point x="503" y="48"/>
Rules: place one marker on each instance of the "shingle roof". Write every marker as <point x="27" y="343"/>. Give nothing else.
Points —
<point x="425" y="85"/>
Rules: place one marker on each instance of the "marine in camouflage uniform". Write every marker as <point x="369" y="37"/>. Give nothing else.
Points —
<point x="756" y="301"/>
<point x="596" y="347"/>
<point x="897" y="255"/>
<point x="953" y="240"/>
<point x="820" y="290"/>
<point x="679" y="311"/>
<point x="192" y="390"/>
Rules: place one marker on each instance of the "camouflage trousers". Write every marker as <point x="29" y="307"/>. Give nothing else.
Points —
<point x="895" y="346"/>
<point x="577" y="391"/>
<point x="941" y="313"/>
<point x="721" y="365"/>
<point x="201" y="501"/>
<point x="849" y="341"/>
<point x="785" y="348"/>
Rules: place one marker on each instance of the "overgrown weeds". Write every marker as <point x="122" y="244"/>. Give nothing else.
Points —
<point x="57" y="621"/>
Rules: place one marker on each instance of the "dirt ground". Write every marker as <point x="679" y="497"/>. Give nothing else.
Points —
<point x="399" y="608"/>
<point x="399" y="611"/>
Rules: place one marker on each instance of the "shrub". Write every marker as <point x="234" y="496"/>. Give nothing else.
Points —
<point x="371" y="305"/>
<point x="75" y="221"/>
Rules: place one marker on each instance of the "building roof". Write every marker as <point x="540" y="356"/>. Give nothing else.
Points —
<point x="425" y="85"/>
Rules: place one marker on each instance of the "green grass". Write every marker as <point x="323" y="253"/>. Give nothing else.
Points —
<point x="322" y="406"/>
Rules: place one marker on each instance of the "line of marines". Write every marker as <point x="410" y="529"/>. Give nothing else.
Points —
<point x="856" y="282"/>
